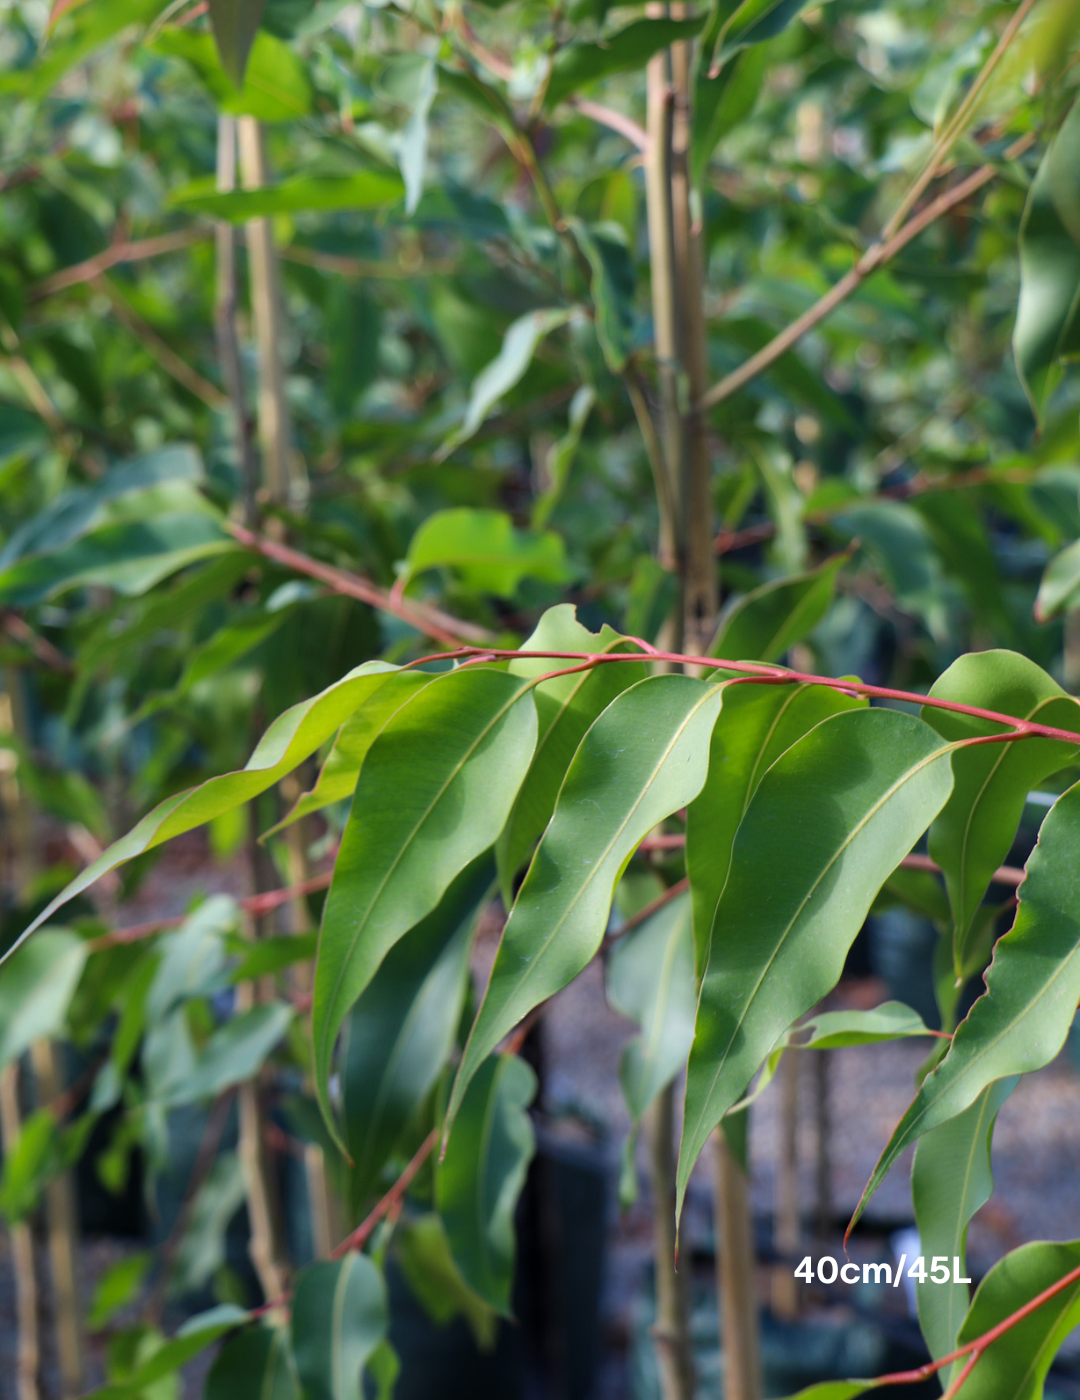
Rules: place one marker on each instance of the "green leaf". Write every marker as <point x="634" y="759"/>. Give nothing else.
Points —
<point x="561" y="457"/>
<point x="276" y="87"/>
<point x="625" y="51"/>
<point x="270" y="955"/>
<point x="478" y="1182"/>
<point x="195" y="1336"/>
<point x="722" y="103"/>
<point x="972" y="835"/>
<point x="608" y="254"/>
<point x="289" y="740"/>
<point x="367" y="189"/>
<point x="338" y="775"/>
<point x="1059" y="591"/>
<point x="235" y="24"/>
<point x="950" y="1180"/>
<point x="202" y="1247"/>
<point x="235" y="1052"/>
<point x="117" y="1287"/>
<point x="831" y="818"/>
<point x="436" y="1281"/>
<point x="131" y="557"/>
<point x="486" y="551"/>
<point x="412" y="142"/>
<point x="1032" y="987"/>
<point x="25" y="1165"/>
<point x="1014" y="1367"/>
<point x="763" y="624"/>
<point x="93" y="25"/>
<point x="565" y="706"/>
<point x="36" y="987"/>
<point x="643" y="759"/>
<point x="507" y="369"/>
<point x="400" y="1032"/>
<point x="1047" y="320"/>
<point x="256" y="1364"/>
<point x="756" y="725"/>
<point x="434" y="792"/>
<point x="835" y="1030"/>
<point x="339" y="1317"/>
<point x="650" y="980"/>
<point x="754" y="21"/>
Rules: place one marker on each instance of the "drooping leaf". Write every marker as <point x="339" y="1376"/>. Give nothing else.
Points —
<point x="289" y="740"/>
<point x="754" y="21"/>
<point x="950" y="1180"/>
<point x="565" y="706"/>
<point x="641" y="760"/>
<point x="762" y="625"/>
<point x="971" y="836"/>
<point x="339" y="1317"/>
<point x="1032" y="987"/>
<point x="756" y="725"/>
<point x="412" y="145"/>
<point x="499" y="377"/>
<point x="235" y="1052"/>
<point x="650" y="980"/>
<point x="486" y="550"/>
<point x="275" y="87"/>
<point x="1014" y="1366"/>
<point x="117" y="1287"/>
<point x="202" y="1248"/>
<point x="478" y="1182"/>
<point x="722" y="103"/>
<point x="94" y="25"/>
<point x="561" y="457"/>
<point x="1047" y="319"/>
<point x="36" y="987"/>
<point x="399" y="1033"/>
<point x="1059" y="590"/>
<point x="436" y="1281"/>
<point x="836" y="1030"/>
<point x="256" y="1364"/>
<point x="807" y="861"/>
<point x="235" y="24"/>
<point x="626" y="50"/>
<point x="434" y="792"/>
<point x="607" y="252"/>
<point x="367" y="189"/>
<point x="194" y="1336"/>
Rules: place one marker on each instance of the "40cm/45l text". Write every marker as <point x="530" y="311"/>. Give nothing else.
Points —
<point x="828" y="1270"/>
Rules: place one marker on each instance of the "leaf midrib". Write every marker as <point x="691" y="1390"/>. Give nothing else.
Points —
<point x="906" y="777"/>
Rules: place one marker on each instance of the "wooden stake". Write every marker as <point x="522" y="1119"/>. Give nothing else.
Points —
<point x="786" y="1231"/>
<point x="671" y="1333"/>
<point x="735" y="1277"/>
<point x="22" y="1250"/>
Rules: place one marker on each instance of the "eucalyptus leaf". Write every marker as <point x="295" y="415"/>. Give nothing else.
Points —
<point x="339" y="1317"/>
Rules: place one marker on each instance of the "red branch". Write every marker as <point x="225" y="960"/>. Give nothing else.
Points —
<point x="390" y="1201"/>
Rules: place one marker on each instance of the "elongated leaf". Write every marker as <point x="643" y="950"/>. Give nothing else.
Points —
<point x="950" y="1180"/>
<point x="338" y="775"/>
<point x="565" y="706"/>
<point x="478" y="1182"/>
<point x="1048" y="313"/>
<point x="36" y="988"/>
<point x="434" y="792"/>
<point x="650" y="980"/>
<point x="194" y="1336"/>
<point x="130" y="556"/>
<point x="607" y="252"/>
<point x="836" y="1030"/>
<point x="256" y="1364"/>
<point x="235" y="24"/>
<point x="235" y="1052"/>
<point x="1014" y="1367"/>
<point x="757" y="20"/>
<point x="275" y="88"/>
<point x="94" y="25"/>
<point x="643" y="759"/>
<point x="722" y="102"/>
<point x="1032" y="987"/>
<point x="561" y="457"/>
<point x="972" y="835"/>
<point x="765" y="623"/>
<point x="506" y="370"/>
<point x="289" y="740"/>
<point x="339" y="1317"/>
<point x="1059" y="590"/>
<point x="624" y="51"/>
<point x="428" y="1265"/>
<point x="809" y="857"/>
<point x="401" y="1030"/>
<point x="485" y="549"/>
<point x="202" y="1248"/>
<point x="756" y="725"/>
<point x="368" y="189"/>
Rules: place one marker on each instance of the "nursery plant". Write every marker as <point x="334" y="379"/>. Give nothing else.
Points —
<point x="623" y="484"/>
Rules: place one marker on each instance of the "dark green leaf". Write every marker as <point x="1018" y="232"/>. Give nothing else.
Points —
<point x="763" y="624"/>
<point x="428" y="1265"/>
<point x="626" y="50"/>
<point x="256" y="1364"/>
<point x="235" y="24"/>
<point x="276" y="87"/>
<point x="486" y="550"/>
<point x="339" y="1317"/>
<point x="368" y="189"/>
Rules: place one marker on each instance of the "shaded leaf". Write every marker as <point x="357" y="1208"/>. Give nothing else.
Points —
<point x="194" y="1336"/>
<point x="1059" y="590"/>
<point x="486" y="550"/>
<point x="762" y="625"/>
<point x="235" y="1052"/>
<point x="36" y="987"/>
<point x="339" y="1317"/>
<point x="256" y="1364"/>
<point x="235" y="24"/>
<point x="807" y="861"/>
<point x="276" y="87"/>
<point x="641" y="760"/>
<point x="478" y="1182"/>
<point x="434" y="792"/>
<point x="428" y="1265"/>
<point x="1032" y="987"/>
<point x="626" y="50"/>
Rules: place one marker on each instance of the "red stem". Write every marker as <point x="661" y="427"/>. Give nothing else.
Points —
<point x="393" y="1197"/>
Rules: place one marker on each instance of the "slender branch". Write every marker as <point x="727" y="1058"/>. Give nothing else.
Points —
<point x="366" y="267"/>
<point x="21" y="631"/>
<point x="875" y="257"/>
<point x="614" y="121"/>
<point x="636" y="920"/>
<point x="166" y="357"/>
<point x="226" y="301"/>
<point x="392" y="1199"/>
<point x="129" y="251"/>
<point x="431" y="621"/>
